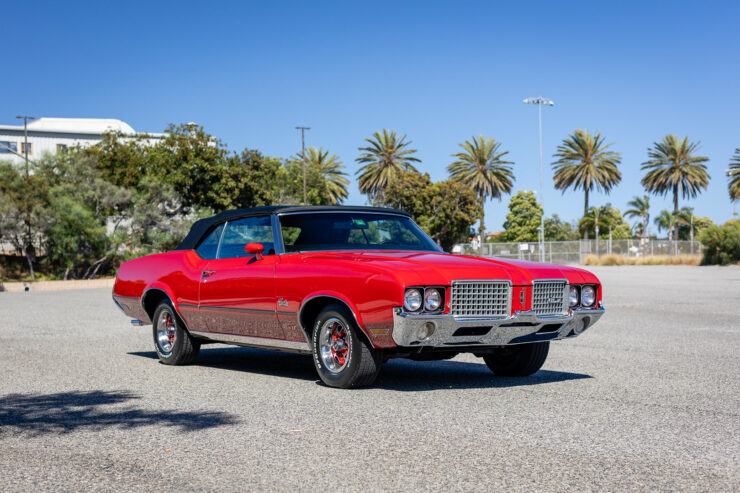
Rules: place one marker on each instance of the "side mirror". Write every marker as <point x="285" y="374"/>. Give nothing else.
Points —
<point x="255" y="249"/>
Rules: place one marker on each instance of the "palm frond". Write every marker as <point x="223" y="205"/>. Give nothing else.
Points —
<point x="482" y="167"/>
<point x="385" y="156"/>
<point x="733" y="173"/>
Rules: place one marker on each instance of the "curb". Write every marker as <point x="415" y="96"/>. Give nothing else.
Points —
<point x="19" y="287"/>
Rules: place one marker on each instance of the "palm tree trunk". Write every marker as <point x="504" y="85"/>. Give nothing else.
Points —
<point x="482" y="233"/>
<point x="644" y="226"/>
<point x="585" y="205"/>
<point x="596" y="228"/>
<point x="675" y="200"/>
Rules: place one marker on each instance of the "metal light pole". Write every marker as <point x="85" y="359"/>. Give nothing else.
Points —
<point x="25" y="133"/>
<point x="539" y="102"/>
<point x="303" y="158"/>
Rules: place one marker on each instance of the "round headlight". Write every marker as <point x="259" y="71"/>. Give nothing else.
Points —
<point x="573" y="297"/>
<point x="588" y="296"/>
<point x="432" y="300"/>
<point x="412" y="300"/>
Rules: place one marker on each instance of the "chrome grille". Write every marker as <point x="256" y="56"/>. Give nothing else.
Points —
<point x="550" y="297"/>
<point x="484" y="299"/>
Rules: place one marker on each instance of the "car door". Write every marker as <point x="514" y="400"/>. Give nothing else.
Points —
<point x="237" y="290"/>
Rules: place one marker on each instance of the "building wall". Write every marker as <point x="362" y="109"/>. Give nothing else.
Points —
<point x="47" y="142"/>
<point x="43" y="142"/>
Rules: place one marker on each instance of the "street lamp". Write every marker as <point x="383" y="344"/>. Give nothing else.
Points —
<point x="303" y="158"/>
<point x="25" y="133"/>
<point x="539" y="102"/>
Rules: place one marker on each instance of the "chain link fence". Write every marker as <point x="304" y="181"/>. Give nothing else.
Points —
<point x="574" y="252"/>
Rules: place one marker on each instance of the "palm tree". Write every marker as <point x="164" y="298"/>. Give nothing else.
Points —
<point x="666" y="220"/>
<point x="640" y="207"/>
<point x="330" y="168"/>
<point x="585" y="163"/>
<point x="734" y="174"/>
<point x="594" y="218"/>
<point x="674" y="168"/>
<point x="481" y="167"/>
<point x="386" y="155"/>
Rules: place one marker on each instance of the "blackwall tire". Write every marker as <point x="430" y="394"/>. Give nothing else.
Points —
<point x="172" y="342"/>
<point x="519" y="360"/>
<point x="341" y="355"/>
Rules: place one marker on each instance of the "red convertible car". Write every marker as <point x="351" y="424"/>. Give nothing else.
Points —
<point x="352" y="286"/>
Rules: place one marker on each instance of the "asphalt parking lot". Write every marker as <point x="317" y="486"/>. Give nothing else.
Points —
<point x="648" y="399"/>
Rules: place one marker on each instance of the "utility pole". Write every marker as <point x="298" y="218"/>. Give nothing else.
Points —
<point x="539" y="102"/>
<point x="25" y="133"/>
<point x="303" y="158"/>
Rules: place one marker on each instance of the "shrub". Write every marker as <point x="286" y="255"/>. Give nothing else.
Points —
<point x="721" y="243"/>
<point x="647" y="260"/>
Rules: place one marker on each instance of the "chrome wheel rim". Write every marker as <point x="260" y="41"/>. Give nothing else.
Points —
<point x="165" y="332"/>
<point x="335" y="345"/>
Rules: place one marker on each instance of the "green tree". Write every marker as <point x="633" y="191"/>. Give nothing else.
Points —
<point x="733" y="174"/>
<point x="558" y="230"/>
<point x="263" y="180"/>
<point x="198" y="167"/>
<point x="83" y="205"/>
<point x="584" y="162"/>
<point x="674" y="168"/>
<point x="329" y="170"/>
<point x="640" y="207"/>
<point x="24" y="211"/>
<point x="666" y="220"/>
<point x="721" y="243"/>
<point x="523" y="218"/>
<point x="122" y="160"/>
<point x="481" y="167"/>
<point x="445" y="210"/>
<point x="386" y="156"/>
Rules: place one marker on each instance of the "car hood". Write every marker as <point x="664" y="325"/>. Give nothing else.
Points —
<point x="425" y="268"/>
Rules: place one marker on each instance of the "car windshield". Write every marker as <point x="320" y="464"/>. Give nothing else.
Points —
<point x="325" y="231"/>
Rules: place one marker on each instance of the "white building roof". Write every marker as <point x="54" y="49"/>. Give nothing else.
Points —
<point x="92" y="126"/>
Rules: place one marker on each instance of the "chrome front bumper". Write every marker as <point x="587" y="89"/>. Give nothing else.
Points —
<point x="523" y="327"/>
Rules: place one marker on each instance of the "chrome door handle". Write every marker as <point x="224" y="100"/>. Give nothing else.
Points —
<point x="207" y="273"/>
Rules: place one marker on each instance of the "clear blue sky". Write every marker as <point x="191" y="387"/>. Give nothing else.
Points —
<point x="439" y="72"/>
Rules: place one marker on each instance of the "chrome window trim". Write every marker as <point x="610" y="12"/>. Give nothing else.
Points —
<point x="277" y="235"/>
<point x="348" y="211"/>
<point x="220" y="240"/>
<point x="477" y="317"/>
<point x="278" y="214"/>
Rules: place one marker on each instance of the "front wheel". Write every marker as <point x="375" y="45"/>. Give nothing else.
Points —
<point x="172" y="342"/>
<point x="517" y="361"/>
<point x="340" y="354"/>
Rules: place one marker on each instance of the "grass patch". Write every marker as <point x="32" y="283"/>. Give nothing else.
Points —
<point x="647" y="260"/>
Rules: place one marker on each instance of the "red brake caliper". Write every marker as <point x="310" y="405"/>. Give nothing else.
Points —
<point x="342" y="352"/>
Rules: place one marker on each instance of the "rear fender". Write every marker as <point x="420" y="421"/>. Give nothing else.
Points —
<point x="158" y="288"/>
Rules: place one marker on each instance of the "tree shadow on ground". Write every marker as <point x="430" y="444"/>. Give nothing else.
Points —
<point x="65" y="412"/>
<point x="400" y="374"/>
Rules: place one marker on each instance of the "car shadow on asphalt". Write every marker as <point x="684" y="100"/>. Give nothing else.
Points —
<point x="396" y="374"/>
<point x="65" y="412"/>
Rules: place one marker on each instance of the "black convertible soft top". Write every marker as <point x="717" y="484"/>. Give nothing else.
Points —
<point x="203" y="226"/>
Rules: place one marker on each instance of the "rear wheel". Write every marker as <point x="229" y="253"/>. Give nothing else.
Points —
<point x="342" y="357"/>
<point x="173" y="343"/>
<point x="520" y="360"/>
